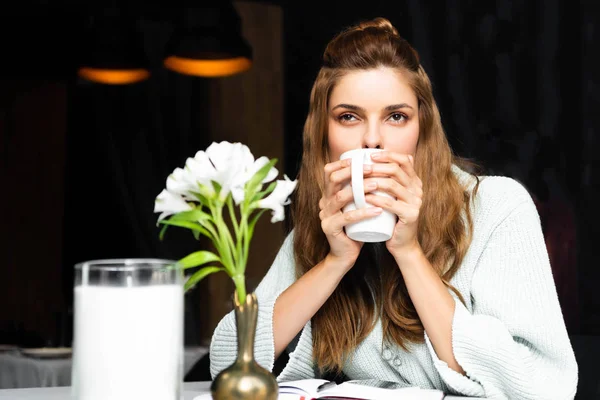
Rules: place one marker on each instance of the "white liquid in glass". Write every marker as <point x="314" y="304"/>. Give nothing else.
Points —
<point x="128" y="342"/>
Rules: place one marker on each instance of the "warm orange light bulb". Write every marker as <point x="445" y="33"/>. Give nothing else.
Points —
<point x="208" y="68"/>
<point x="114" y="76"/>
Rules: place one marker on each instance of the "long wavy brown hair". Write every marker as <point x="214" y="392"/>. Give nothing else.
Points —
<point x="374" y="288"/>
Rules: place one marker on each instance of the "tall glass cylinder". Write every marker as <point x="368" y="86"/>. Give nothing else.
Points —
<point x="128" y="330"/>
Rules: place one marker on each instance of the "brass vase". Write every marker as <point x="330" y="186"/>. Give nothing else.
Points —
<point x="245" y="379"/>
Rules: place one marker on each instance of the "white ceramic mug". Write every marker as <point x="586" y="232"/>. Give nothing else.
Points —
<point x="379" y="228"/>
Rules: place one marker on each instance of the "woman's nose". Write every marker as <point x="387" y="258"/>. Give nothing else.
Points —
<point x="372" y="137"/>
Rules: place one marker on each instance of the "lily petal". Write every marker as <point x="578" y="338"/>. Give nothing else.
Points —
<point x="238" y="188"/>
<point x="201" y="173"/>
<point x="279" y="198"/>
<point x="230" y="160"/>
<point x="181" y="182"/>
<point x="169" y="203"/>
<point x="258" y="164"/>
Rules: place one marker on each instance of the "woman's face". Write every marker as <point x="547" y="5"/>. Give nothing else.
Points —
<point x="373" y="109"/>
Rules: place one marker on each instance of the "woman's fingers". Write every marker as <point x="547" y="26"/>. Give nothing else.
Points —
<point x="335" y="224"/>
<point x="333" y="204"/>
<point x="336" y="165"/>
<point x="390" y="186"/>
<point x="338" y="192"/>
<point x="339" y="173"/>
<point x="398" y="166"/>
<point x="404" y="161"/>
<point x="406" y="212"/>
<point x="391" y="170"/>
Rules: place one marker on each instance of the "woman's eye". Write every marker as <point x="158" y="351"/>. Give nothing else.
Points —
<point x="397" y="117"/>
<point x="347" y="118"/>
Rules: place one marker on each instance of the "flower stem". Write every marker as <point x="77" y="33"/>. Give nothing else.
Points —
<point x="243" y="237"/>
<point x="246" y="243"/>
<point x="228" y="244"/>
<point x="240" y="287"/>
<point x="233" y="216"/>
<point x="221" y="243"/>
<point x="237" y="226"/>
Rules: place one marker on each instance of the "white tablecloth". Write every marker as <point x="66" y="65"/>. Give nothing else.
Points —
<point x="191" y="390"/>
<point x="18" y="371"/>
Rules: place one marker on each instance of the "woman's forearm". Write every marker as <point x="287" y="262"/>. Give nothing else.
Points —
<point x="433" y="302"/>
<point x="299" y="302"/>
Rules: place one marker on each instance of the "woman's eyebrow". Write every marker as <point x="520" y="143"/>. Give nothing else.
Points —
<point x="349" y="107"/>
<point x="358" y="108"/>
<point x="397" y="106"/>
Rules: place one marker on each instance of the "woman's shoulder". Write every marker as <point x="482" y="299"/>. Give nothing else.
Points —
<point x="502" y="188"/>
<point x="286" y="250"/>
<point x="492" y="192"/>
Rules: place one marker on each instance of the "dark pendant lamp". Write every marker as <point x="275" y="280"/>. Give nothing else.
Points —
<point x="208" y="43"/>
<point x="114" y="53"/>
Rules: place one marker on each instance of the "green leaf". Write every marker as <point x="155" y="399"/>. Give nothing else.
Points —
<point x="264" y="193"/>
<point x="260" y="175"/>
<point x="187" y="224"/>
<point x="253" y="222"/>
<point x="199" y="275"/>
<point x="216" y="186"/>
<point x="198" y="258"/>
<point x="195" y="215"/>
<point x="161" y="235"/>
<point x="201" y="198"/>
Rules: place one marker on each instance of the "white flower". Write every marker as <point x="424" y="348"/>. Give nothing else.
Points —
<point x="258" y="164"/>
<point x="237" y="190"/>
<point x="231" y="165"/>
<point x="230" y="161"/>
<point x="169" y="203"/>
<point x="181" y="182"/>
<point x="279" y="198"/>
<point x="201" y="173"/>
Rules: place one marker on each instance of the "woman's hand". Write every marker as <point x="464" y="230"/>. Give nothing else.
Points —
<point x="394" y="174"/>
<point x="333" y="220"/>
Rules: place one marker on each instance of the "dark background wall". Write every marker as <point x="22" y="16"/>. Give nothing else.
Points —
<point x="103" y="153"/>
<point x="516" y="83"/>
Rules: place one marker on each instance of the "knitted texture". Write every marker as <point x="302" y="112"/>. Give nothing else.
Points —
<point x="509" y="337"/>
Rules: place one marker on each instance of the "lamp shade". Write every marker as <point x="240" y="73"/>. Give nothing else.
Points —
<point x="208" y="43"/>
<point x="113" y="53"/>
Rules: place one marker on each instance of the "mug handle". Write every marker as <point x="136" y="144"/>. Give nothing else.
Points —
<point x="358" y="189"/>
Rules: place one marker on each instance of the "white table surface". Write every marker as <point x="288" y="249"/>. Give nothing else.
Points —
<point x="18" y="371"/>
<point x="190" y="391"/>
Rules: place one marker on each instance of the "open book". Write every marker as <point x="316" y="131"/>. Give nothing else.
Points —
<point x="372" y="389"/>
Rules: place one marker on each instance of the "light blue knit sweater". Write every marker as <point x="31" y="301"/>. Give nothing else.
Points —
<point x="510" y="338"/>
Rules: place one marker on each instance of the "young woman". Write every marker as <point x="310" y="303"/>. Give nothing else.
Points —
<point x="461" y="298"/>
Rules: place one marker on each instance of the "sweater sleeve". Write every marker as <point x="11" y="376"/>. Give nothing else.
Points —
<point x="223" y="347"/>
<point x="513" y="344"/>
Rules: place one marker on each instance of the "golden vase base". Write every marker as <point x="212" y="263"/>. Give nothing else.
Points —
<point x="245" y="379"/>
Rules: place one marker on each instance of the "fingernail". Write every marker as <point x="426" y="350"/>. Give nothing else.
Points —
<point x="411" y="159"/>
<point x="376" y="210"/>
<point x="375" y="155"/>
<point x="368" y="168"/>
<point x="371" y="185"/>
